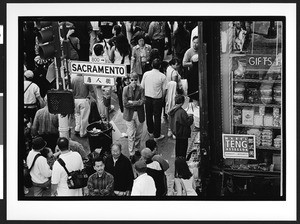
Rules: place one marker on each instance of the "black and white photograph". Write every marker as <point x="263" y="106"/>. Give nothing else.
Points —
<point x="141" y="106"/>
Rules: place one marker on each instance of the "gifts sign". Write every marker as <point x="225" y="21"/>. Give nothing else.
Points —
<point x="238" y="146"/>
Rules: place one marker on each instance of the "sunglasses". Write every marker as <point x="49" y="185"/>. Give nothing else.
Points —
<point x="133" y="79"/>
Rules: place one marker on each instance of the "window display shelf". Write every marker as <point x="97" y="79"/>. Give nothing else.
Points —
<point x="253" y="126"/>
<point x="268" y="148"/>
<point x="256" y="105"/>
<point x="257" y="80"/>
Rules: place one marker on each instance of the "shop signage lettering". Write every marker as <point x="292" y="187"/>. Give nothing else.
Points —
<point x="88" y="68"/>
<point x="260" y="61"/>
<point x="239" y="146"/>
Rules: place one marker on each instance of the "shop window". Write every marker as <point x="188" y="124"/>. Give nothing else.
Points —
<point x="251" y="73"/>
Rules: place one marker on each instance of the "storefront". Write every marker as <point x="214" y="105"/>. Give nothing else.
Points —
<point x="241" y="78"/>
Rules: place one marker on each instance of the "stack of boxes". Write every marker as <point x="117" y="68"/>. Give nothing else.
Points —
<point x="277" y="141"/>
<point x="267" y="137"/>
<point x="257" y="134"/>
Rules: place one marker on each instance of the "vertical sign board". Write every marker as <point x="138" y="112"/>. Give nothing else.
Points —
<point x="238" y="146"/>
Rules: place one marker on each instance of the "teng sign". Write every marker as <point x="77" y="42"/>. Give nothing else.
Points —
<point x="89" y="68"/>
<point x="238" y="146"/>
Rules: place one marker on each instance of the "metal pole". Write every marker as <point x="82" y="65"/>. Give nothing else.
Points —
<point x="63" y="120"/>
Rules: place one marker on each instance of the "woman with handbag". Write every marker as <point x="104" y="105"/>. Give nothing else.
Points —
<point x="184" y="182"/>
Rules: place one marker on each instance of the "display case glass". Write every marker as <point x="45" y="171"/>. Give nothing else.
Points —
<point x="252" y="74"/>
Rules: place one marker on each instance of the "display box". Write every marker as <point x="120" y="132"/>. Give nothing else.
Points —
<point x="248" y="116"/>
<point x="277" y="162"/>
<point x="258" y="120"/>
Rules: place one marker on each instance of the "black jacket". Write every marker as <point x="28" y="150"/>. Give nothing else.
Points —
<point x="122" y="172"/>
<point x="181" y="122"/>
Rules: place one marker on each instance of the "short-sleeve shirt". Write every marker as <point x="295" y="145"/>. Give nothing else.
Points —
<point x="154" y="83"/>
<point x="32" y="93"/>
<point x="143" y="185"/>
<point x="73" y="162"/>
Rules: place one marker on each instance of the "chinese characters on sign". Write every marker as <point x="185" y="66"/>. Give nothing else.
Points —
<point x="239" y="146"/>
<point x="96" y="80"/>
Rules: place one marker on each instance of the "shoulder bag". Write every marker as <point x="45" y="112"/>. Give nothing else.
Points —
<point x="27" y="177"/>
<point x="76" y="179"/>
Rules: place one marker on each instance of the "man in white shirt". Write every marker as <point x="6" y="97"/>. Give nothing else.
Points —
<point x="32" y="95"/>
<point x="143" y="185"/>
<point x="154" y="83"/>
<point x="59" y="178"/>
<point x="40" y="172"/>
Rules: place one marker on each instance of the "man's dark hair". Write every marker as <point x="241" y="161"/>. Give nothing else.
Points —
<point x="179" y="99"/>
<point x="98" y="49"/>
<point x="117" y="28"/>
<point x="195" y="37"/>
<point x="99" y="158"/>
<point x="156" y="63"/>
<point x="151" y="144"/>
<point x="100" y="36"/>
<point x="173" y="61"/>
<point x="63" y="143"/>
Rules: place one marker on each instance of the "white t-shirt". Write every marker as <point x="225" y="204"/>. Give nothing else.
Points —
<point x="143" y="185"/>
<point x="40" y="172"/>
<point x="171" y="73"/>
<point x="154" y="83"/>
<point x="73" y="162"/>
<point x="32" y="93"/>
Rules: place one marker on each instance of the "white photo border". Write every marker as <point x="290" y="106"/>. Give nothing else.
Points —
<point x="136" y="210"/>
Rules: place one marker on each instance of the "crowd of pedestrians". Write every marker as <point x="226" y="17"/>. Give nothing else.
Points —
<point x="153" y="90"/>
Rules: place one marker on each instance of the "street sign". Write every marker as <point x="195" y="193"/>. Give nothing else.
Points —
<point x="99" y="80"/>
<point x="97" y="59"/>
<point x="238" y="146"/>
<point x="89" y="68"/>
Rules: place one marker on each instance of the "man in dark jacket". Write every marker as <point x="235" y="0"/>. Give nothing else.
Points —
<point x="180" y="125"/>
<point x="120" y="167"/>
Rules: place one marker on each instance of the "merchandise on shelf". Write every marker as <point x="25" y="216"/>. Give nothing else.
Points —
<point x="258" y="119"/>
<point x="239" y="73"/>
<point x="248" y="116"/>
<point x="268" y="120"/>
<point x="262" y="110"/>
<point x="239" y="98"/>
<point x="257" y="133"/>
<point x="266" y="89"/>
<point x="277" y="141"/>
<point x="252" y="95"/>
<point x="237" y="116"/>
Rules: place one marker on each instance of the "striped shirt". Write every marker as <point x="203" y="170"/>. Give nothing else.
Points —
<point x="101" y="186"/>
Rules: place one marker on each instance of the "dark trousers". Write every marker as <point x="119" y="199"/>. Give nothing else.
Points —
<point x="160" y="45"/>
<point x="181" y="147"/>
<point x="30" y="113"/>
<point x="153" y="110"/>
<point x="120" y="93"/>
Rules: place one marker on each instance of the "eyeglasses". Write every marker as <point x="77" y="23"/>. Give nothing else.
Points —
<point x="133" y="79"/>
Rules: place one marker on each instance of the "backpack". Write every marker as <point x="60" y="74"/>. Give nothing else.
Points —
<point x="76" y="179"/>
<point x="26" y="172"/>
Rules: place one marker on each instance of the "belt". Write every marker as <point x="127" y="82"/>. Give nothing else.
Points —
<point x="30" y="105"/>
